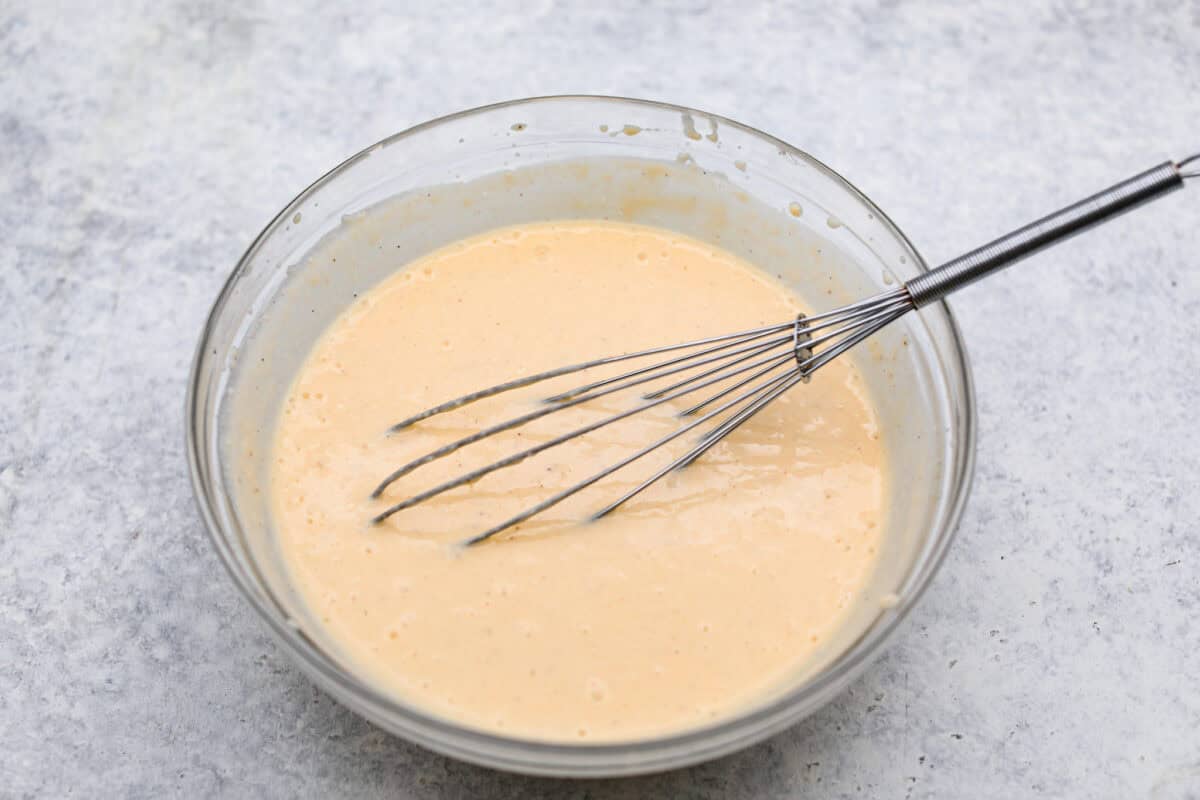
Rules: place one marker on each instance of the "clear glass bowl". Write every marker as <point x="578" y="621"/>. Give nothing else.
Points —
<point x="930" y="401"/>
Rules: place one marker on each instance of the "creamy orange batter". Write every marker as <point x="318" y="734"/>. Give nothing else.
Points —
<point x="705" y="593"/>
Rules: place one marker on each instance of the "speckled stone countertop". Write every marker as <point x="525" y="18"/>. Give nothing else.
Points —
<point x="142" y="148"/>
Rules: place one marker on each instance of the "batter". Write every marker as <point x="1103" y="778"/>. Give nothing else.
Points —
<point x="699" y="597"/>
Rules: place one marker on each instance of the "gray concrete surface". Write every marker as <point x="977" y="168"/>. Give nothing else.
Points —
<point x="142" y="146"/>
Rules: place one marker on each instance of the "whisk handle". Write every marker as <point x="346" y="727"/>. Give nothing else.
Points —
<point x="1049" y="230"/>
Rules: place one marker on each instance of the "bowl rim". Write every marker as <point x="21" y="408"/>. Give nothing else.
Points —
<point x="530" y="756"/>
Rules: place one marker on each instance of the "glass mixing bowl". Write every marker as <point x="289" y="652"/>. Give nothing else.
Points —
<point x="921" y="378"/>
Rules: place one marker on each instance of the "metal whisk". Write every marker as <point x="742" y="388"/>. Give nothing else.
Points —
<point x="763" y="363"/>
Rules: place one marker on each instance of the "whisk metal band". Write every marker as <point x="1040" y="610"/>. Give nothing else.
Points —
<point x="800" y="341"/>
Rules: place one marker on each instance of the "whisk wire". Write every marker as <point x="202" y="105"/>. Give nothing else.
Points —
<point x="604" y="473"/>
<point x="774" y="345"/>
<point x="877" y="323"/>
<point x="775" y="362"/>
<point x="529" y="380"/>
<point x="691" y="357"/>
<point x="523" y="419"/>
<point x="706" y="443"/>
<point x="813" y="322"/>
<point x="516" y="458"/>
<point x="1189" y="167"/>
